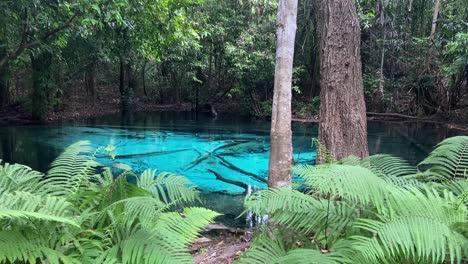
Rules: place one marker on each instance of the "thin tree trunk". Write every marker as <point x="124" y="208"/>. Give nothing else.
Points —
<point x="41" y="82"/>
<point x="382" y="58"/>
<point x="432" y="35"/>
<point x="279" y="173"/>
<point x="143" y="71"/>
<point x="122" y="78"/>
<point x="343" y="125"/>
<point x="4" y="72"/>
<point x="4" y="87"/>
<point x="90" y="77"/>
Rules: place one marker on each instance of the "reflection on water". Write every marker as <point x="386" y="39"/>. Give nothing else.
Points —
<point x="223" y="157"/>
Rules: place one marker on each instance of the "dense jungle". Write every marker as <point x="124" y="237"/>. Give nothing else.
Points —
<point x="233" y="131"/>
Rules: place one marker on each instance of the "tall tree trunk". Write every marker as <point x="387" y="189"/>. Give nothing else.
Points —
<point x="432" y="35"/>
<point x="343" y="124"/>
<point x="279" y="173"/>
<point x="382" y="58"/>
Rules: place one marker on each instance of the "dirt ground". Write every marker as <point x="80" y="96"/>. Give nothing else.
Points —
<point x="220" y="247"/>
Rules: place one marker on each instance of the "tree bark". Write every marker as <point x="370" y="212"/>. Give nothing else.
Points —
<point x="279" y="173"/>
<point x="343" y="125"/>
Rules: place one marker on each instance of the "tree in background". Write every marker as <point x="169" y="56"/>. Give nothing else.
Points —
<point x="343" y="122"/>
<point x="279" y="173"/>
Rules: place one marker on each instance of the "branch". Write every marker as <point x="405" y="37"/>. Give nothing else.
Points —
<point x="25" y="45"/>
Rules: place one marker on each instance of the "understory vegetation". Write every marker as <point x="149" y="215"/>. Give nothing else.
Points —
<point x="76" y="214"/>
<point x="375" y="210"/>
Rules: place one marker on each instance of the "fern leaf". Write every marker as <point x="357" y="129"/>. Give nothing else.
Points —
<point x="449" y="159"/>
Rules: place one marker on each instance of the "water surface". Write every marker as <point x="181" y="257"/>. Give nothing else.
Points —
<point x="199" y="147"/>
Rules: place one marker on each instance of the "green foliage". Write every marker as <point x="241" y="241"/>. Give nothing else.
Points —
<point x="449" y="160"/>
<point x="74" y="214"/>
<point x="375" y="210"/>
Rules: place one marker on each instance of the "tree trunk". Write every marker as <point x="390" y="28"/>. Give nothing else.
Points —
<point x="143" y="76"/>
<point x="90" y="78"/>
<point x="382" y="58"/>
<point x="432" y="35"/>
<point x="4" y="76"/>
<point x="42" y="82"/>
<point x="343" y="124"/>
<point x="279" y="173"/>
<point x="122" y="78"/>
<point x="4" y="87"/>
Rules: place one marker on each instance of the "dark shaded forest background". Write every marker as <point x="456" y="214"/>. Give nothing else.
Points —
<point x="67" y="57"/>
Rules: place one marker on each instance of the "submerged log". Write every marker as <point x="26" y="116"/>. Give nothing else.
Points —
<point x="233" y="182"/>
<point x="228" y="164"/>
<point x="209" y="154"/>
<point x="152" y="153"/>
<point x="395" y="115"/>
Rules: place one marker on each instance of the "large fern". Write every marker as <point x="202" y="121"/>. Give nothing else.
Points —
<point x="72" y="214"/>
<point x="373" y="210"/>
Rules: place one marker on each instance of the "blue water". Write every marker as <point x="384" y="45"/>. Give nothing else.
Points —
<point x="200" y="146"/>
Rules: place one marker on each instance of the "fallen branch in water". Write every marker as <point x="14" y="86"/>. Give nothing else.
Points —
<point x="228" y="164"/>
<point x="152" y="153"/>
<point x="209" y="154"/>
<point x="221" y="178"/>
<point x="395" y="115"/>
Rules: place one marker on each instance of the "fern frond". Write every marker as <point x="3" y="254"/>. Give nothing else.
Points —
<point x="353" y="183"/>
<point x="300" y="212"/>
<point x="167" y="187"/>
<point x="392" y="169"/>
<point x="24" y="205"/>
<point x="420" y="230"/>
<point x="16" y="177"/>
<point x="388" y="165"/>
<point x="71" y="169"/>
<point x="31" y="248"/>
<point x="449" y="159"/>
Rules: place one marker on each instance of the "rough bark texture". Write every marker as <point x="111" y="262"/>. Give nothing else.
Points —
<point x="343" y="125"/>
<point x="281" y="136"/>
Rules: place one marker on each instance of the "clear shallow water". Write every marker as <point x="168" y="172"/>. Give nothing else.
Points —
<point x="200" y="147"/>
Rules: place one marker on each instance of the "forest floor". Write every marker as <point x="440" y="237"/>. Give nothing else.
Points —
<point x="77" y="105"/>
<point x="221" y="246"/>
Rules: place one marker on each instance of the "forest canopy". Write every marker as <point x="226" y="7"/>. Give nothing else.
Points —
<point x="221" y="54"/>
